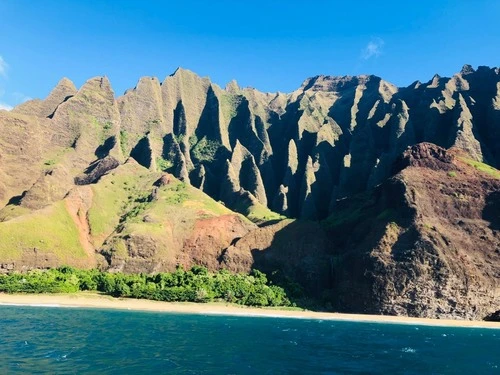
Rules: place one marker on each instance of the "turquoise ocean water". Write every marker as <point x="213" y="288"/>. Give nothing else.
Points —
<point x="44" y="340"/>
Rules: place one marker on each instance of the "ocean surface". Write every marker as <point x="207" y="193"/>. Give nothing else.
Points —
<point x="40" y="340"/>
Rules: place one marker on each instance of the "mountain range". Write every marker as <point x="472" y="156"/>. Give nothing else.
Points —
<point x="373" y="198"/>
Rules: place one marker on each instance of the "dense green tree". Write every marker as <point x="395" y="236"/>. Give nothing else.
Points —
<point x="195" y="285"/>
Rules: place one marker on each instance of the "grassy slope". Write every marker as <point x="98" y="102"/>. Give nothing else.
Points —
<point x="256" y="212"/>
<point x="121" y="195"/>
<point x="12" y="211"/>
<point x="170" y="218"/>
<point x="50" y="230"/>
<point x="259" y="213"/>
<point x="114" y="195"/>
<point x="482" y="167"/>
<point x="120" y="207"/>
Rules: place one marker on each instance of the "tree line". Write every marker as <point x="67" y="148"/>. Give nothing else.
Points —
<point x="194" y="285"/>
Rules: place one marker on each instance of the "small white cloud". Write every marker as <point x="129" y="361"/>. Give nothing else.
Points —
<point x="5" y="106"/>
<point x="3" y="67"/>
<point x="373" y="49"/>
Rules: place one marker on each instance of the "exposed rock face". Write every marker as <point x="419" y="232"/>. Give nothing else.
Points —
<point x="96" y="170"/>
<point x="424" y="243"/>
<point x="298" y="250"/>
<point x="425" y="155"/>
<point x="164" y="180"/>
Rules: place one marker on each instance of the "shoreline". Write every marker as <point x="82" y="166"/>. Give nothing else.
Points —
<point x="91" y="300"/>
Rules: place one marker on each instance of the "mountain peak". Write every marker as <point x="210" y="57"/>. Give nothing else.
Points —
<point x="335" y="83"/>
<point x="66" y="82"/>
<point x="180" y="71"/>
<point x="99" y="83"/>
<point x="233" y="87"/>
<point x="467" y="69"/>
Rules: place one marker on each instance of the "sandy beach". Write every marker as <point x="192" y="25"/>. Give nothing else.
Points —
<point x="91" y="300"/>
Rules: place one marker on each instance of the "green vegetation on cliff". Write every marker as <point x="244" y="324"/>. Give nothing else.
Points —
<point x="195" y="285"/>
<point x="482" y="167"/>
<point x="163" y="164"/>
<point x="49" y="230"/>
<point x="116" y="196"/>
<point x="204" y="150"/>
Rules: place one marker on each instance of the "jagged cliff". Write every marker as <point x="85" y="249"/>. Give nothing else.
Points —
<point x="294" y="153"/>
<point x="92" y="180"/>
<point x="425" y="242"/>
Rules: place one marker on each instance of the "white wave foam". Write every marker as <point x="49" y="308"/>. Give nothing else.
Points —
<point x="408" y="350"/>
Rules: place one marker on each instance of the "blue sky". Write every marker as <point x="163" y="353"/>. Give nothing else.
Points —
<point x="269" y="45"/>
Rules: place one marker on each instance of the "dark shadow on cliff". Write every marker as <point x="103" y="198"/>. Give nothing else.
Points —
<point x="142" y="152"/>
<point x="16" y="200"/>
<point x="104" y="149"/>
<point x="491" y="210"/>
<point x="179" y="128"/>
<point x="331" y="262"/>
<point x="209" y="123"/>
<point x="297" y="261"/>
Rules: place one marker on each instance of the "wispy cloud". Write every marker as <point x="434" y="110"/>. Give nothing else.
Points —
<point x="372" y="49"/>
<point x="5" y="106"/>
<point x="3" y="67"/>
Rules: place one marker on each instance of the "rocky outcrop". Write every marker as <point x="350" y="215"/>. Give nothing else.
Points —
<point x="424" y="243"/>
<point x="293" y="250"/>
<point x="97" y="170"/>
<point x="425" y="155"/>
